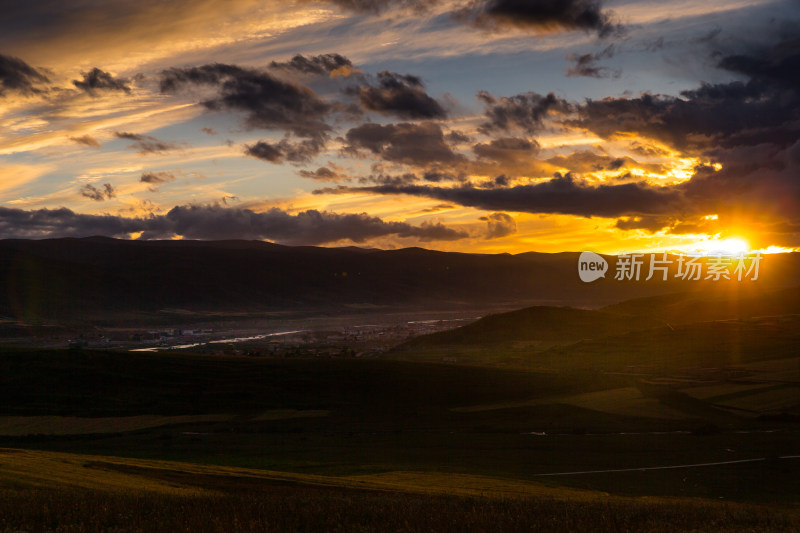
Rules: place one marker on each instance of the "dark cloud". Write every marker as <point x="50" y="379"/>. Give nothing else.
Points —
<point x="97" y="80"/>
<point x="650" y="224"/>
<point x="561" y="195"/>
<point x="541" y="15"/>
<point x="390" y="179"/>
<point x="17" y="76"/>
<point x="499" y="181"/>
<point x="265" y="151"/>
<point x="410" y="177"/>
<point x="86" y="140"/>
<point x="209" y="131"/>
<point x="147" y="144"/>
<point x="413" y="144"/>
<point x="526" y="111"/>
<point x="515" y="156"/>
<point x="456" y="137"/>
<point x="218" y="222"/>
<point x="587" y="161"/>
<point x="499" y="225"/>
<point x="379" y="6"/>
<point x="499" y="149"/>
<point x="748" y="128"/>
<point x="763" y="109"/>
<point x="322" y="174"/>
<point x="586" y="64"/>
<point x="321" y="64"/>
<point x="296" y="152"/>
<point x="758" y="183"/>
<point x="437" y="176"/>
<point x="437" y="208"/>
<point x="269" y="102"/>
<point x="306" y="227"/>
<point x="399" y="95"/>
<point x="106" y="192"/>
<point x="779" y="66"/>
<point x="156" y="178"/>
<point x="648" y="150"/>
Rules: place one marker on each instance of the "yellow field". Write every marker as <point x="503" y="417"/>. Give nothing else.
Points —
<point x="40" y="469"/>
<point x="718" y="389"/>
<point x="73" y="425"/>
<point x="627" y="401"/>
<point x="770" y="400"/>
<point x="776" y="369"/>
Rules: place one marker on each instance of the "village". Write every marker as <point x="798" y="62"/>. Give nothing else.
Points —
<point x="297" y="338"/>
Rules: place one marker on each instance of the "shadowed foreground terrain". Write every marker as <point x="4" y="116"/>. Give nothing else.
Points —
<point x="122" y="441"/>
<point x="108" y="494"/>
<point x="663" y="414"/>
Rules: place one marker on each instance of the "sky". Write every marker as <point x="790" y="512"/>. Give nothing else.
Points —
<point x="484" y="126"/>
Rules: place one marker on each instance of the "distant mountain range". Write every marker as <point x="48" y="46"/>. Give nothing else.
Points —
<point x="101" y="280"/>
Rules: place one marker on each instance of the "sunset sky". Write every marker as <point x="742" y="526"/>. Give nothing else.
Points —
<point x="478" y="126"/>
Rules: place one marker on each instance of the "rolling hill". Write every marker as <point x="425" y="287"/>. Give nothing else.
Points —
<point x="538" y="323"/>
<point x="106" y="280"/>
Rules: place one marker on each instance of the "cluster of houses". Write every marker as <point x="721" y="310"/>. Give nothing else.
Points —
<point x="345" y="341"/>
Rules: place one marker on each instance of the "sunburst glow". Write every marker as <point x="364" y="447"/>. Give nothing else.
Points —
<point x="729" y="246"/>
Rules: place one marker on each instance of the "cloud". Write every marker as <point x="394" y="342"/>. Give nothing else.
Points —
<point x="154" y="179"/>
<point x="541" y="16"/>
<point x="322" y="174"/>
<point x="147" y="144"/>
<point x="400" y="95"/>
<point x="86" y="140"/>
<point x="510" y="155"/>
<point x="413" y="144"/>
<point x="379" y="6"/>
<point x="586" y="161"/>
<point x="499" y="149"/>
<point x="763" y="109"/>
<point x="559" y="195"/>
<point x="333" y="64"/>
<point x="748" y="129"/>
<point x="437" y="208"/>
<point x="209" y="131"/>
<point x="96" y="80"/>
<point x="107" y="192"/>
<point x="269" y="102"/>
<point x="650" y="224"/>
<point x="299" y="152"/>
<point x="265" y="151"/>
<point x="390" y="179"/>
<point x="18" y="76"/>
<point x="586" y="65"/>
<point x="544" y="16"/>
<point x="526" y="111"/>
<point x="775" y="66"/>
<point x="499" y="225"/>
<point x="309" y="227"/>
<point x="456" y="137"/>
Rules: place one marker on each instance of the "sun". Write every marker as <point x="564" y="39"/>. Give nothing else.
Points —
<point x="729" y="246"/>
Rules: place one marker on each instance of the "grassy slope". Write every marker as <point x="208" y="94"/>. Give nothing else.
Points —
<point x="109" y="493"/>
<point x="711" y="328"/>
<point x="539" y="323"/>
<point x="388" y="416"/>
<point x="685" y="308"/>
